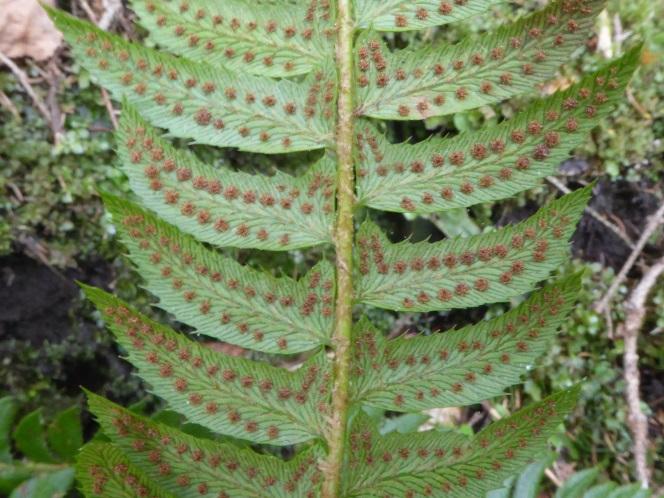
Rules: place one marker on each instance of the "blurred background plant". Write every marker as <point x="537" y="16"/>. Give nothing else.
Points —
<point x="54" y="158"/>
<point x="48" y="451"/>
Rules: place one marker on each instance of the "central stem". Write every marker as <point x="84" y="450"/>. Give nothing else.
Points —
<point x="344" y="252"/>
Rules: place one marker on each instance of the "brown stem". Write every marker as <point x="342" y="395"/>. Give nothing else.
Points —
<point x="635" y="312"/>
<point x="344" y="251"/>
<point x="651" y="226"/>
<point x="25" y="83"/>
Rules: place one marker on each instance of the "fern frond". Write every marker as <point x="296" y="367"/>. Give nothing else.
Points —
<point x="221" y="298"/>
<point x="223" y="207"/>
<point x="466" y="272"/>
<point x="226" y="83"/>
<point x="490" y="164"/>
<point x="104" y="471"/>
<point x="190" y="467"/>
<point x="425" y="82"/>
<point x="208" y="104"/>
<point x="229" y="395"/>
<point x="449" y="464"/>
<point x="402" y="15"/>
<point x="458" y="367"/>
<point x="258" y="38"/>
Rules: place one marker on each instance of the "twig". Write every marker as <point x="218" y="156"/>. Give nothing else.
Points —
<point x="109" y="107"/>
<point x="57" y="118"/>
<point x="25" y="83"/>
<point x="404" y="321"/>
<point x="88" y="10"/>
<point x="635" y="308"/>
<point x="111" y="9"/>
<point x="553" y="478"/>
<point x="650" y="228"/>
<point x="592" y="212"/>
<point x="9" y="105"/>
<point x="647" y="117"/>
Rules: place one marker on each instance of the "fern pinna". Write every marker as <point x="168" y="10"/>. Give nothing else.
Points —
<point x="282" y="76"/>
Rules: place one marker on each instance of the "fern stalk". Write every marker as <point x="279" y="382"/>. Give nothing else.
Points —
<point x="344" y="232"/>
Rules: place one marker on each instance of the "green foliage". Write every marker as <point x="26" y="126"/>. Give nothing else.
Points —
<point x="597" y="434"/>
<point x="108" y="471"/>
<point x="48" y="451"/>
<point x="48" y="206"/>
<point x="212" y="466"/>
<point x="582" y="484"/>
<point x="629" y="145"/>
<point x="460" y="367"/>
<point x="244" y="36"/>
<point x="217" y="296"/>
<point x="492" y="164"/>
<point x="227" y="208"/>
<point x="236" y="103"/>
<point x="250" y="400"/>
<point x="401" y="15"/>
<point x="209" y="104"/>
<point x="401" y="463"/>
<point x="435" y="81"/>
<point x="466" y="272"/>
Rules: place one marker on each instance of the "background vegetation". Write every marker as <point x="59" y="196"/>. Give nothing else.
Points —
<point x="53" y="231"/>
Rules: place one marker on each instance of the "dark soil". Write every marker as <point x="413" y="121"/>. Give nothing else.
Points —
<point x="627" y="205"/>
<point x="36" y="301"/>
<point x="42" y="335"/>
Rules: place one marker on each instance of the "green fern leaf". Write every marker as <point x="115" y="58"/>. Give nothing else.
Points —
<point x="451" y="465"/>
<point x="208" y="104"/>
<point x="491" y="164"/>
<point x="466" y="272"/>
<point x="402" y="15"/>
<point x="458" y="367"/>
<point x="190" y="467"/>
<point x="417" y="84"/>
<point x="105" y="471"/>
<point x="258" y="38"/>
<point x="229" y="395"/>
<point x="223" y="207"/>
<point x="221" y="298"/>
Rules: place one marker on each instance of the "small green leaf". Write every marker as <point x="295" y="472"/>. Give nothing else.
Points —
<point x="578" y="484"/>
<point x="188" y="466"/>
<point x="500" y="493"/>
<point x="272" y="40"/>
<point x="630" y="491"/>
<point x="221" y="298"/>
<point x="65" y="435"/>
<point x="402" y="15"/>
<point x="104" y="471"/>
<point x="528" y="482"/>
<point x="30" y="438"/>
<point x="52" y="485"/>
<point x="8" y="409"/>
<point x="601" y="491"/>
<point x="11" y="476"/>
<point x="447" y="79"/>
<point x="403" y="424"/>
<point x="465" y="272"/>
<point x="229" y="395"/>
<point x="455" y="223"/>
